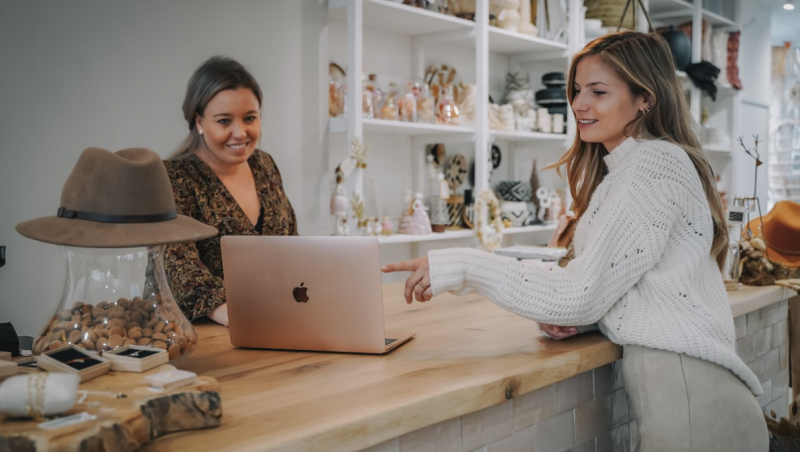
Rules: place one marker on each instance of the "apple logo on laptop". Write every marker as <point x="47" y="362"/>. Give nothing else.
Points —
<point x="300" y="294"/>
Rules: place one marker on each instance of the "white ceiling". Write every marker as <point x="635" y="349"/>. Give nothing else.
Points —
<point x="785" y="24"/>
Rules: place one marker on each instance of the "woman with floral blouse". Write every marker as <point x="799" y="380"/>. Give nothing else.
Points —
<point x="221" y="179"/>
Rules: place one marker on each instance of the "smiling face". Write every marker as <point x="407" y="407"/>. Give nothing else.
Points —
<point x="603" y="103"/>
<point x="231" y="126"/>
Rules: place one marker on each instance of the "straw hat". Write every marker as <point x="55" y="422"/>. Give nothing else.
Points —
<point x="116" y="200"/>
<point x="781" y="233"/>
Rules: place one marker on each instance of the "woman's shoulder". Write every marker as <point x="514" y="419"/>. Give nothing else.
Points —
<point x="661" y="158"/>
<point x="186" y="167"/>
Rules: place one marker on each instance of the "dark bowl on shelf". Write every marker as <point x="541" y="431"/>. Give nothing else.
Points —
<point x="554" y="79"/>
<point x="551" y="96"/>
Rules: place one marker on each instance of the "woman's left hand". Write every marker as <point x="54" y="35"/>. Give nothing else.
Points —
<point x="418" y="284"/>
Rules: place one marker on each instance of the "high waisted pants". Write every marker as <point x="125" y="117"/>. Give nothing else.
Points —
<point x="687" y="404"/>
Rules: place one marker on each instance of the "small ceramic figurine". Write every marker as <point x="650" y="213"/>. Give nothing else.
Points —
<point x="339" y="202"/>
<point x="525" y="25"/>
<point x="377" y="227"/>
<point x="555" y="207"/>
<point x="387" y="227"/>
<point x="509" y="18"/>
<point x="419" y="223"/>
<point x="405" y="217"/>
<point x="341" y="228"/>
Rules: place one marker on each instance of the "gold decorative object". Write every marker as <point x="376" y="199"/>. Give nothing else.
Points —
<point x="487" y="206"/>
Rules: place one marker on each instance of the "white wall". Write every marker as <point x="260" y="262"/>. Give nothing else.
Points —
<point x="112" y="75"/>
<point x="754" y="71"/>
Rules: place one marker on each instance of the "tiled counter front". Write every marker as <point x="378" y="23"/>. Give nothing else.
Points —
<point x="762" y="342"/>
<point x="588" y="412"/>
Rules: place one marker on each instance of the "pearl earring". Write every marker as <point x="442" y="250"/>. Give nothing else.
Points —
<point x="200" y="131"/>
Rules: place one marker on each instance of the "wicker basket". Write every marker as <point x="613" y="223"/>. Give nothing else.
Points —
<point x="610" y="11"/>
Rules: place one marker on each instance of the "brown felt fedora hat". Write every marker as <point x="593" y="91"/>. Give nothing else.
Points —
<point x="116" y="200"/>
<point x="781" y="233"/>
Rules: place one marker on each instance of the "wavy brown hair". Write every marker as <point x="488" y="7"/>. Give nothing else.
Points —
<point x="644" y="62"/>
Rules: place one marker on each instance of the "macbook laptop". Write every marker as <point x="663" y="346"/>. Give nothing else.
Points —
<point x="306" y="293"/>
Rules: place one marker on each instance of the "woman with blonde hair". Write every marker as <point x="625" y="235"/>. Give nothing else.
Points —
<point x="648" y="246"/>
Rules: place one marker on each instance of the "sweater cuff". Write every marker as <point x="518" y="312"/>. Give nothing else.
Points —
<point x="462" y="270"/>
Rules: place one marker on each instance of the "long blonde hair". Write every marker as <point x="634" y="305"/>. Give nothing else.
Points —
<point x="644" y="62"/>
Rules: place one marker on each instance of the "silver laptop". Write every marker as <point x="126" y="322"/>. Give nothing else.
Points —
<point x="306" y="293"/>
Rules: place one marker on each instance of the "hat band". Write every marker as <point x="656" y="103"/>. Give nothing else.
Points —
<point x="781" y="250"/>
<point x="104" y="218"/>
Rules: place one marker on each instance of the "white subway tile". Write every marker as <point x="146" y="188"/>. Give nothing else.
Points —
<point x="780" y="384"/>
<point x="746" y="348"/>
<point x="555" y="434"/>
<point x="741" y="326"/>
<point x="574" y="391"/>
<point x="588" y="446"/>
<point x="534" y="407"/>
<point x="593" y="418"/>
<point x="520" y="441"/>
<point x="780" y="333"/>
<point x="763" y="341"/>
<point x="486" y="426"/>
<point x="393" y="445"/>
<point x="603" y="380"/>
<point x="442" y="437"/>
<point x="766" y="397"/>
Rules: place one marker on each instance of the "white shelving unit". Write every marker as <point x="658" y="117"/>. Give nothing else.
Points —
<point x="426" y="28"/>
<point x="725" y="113"/>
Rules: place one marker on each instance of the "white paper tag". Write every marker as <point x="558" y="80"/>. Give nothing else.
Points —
<point x="68" y="420"/>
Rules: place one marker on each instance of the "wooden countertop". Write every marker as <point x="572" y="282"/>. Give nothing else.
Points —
<point x="752" y="298"/>
<point x="468" y="354"/>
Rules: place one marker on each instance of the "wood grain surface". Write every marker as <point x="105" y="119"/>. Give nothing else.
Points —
<point x="468" y="354"/>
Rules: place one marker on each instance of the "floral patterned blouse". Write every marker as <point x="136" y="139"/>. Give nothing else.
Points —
<point x="194" y="269"/>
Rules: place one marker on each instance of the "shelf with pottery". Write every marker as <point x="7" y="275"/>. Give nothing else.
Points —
<point x="367" y="20"/>
<point x="388" y="127"/>
<point x="402" y="19"/>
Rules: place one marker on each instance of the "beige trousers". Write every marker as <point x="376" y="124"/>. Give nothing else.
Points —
<point x="687" y="404"/>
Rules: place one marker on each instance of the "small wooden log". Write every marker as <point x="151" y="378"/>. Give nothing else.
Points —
<point x="122" y="424"/>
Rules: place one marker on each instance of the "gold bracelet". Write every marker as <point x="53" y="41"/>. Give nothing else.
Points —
<point x="35" y="399"/>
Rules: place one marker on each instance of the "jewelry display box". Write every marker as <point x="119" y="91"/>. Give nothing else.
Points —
<point x="7" y="369"/>
<point x="136" y="358"/>
<point x="27" y="365"/>
<point x="74" y="360"/>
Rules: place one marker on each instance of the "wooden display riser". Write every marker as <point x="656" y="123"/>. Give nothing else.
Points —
<point x="122" y="424"/>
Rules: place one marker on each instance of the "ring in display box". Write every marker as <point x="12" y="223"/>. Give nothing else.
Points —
<point x="74" y="360"/>
<point x="136" y="358"/>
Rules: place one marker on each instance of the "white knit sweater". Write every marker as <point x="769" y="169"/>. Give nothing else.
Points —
<point x="642" y="267"/>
